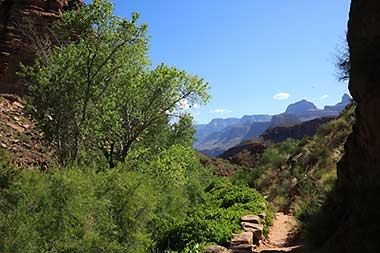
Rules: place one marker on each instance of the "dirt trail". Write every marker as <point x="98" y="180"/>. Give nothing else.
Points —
<point x="280" y="235"/>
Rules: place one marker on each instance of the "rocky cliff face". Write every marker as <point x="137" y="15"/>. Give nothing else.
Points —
<point x="297" y="131"/>
<point x="358" y="185"/>
<point x="13" y="44"/>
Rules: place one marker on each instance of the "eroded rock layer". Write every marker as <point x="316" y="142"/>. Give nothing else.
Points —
<point x="358" y="187"/>
<point x="14" y="47"/>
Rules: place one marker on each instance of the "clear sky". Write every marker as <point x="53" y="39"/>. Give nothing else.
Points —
<point x="249" y="50"/>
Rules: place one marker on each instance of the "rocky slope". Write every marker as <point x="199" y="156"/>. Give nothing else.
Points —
<point x="358" y="187"/>
<point x="246" y="153"/>
<point x="249" y="152"/>
<point x="296" y="131"/>
<point x="299" y="176"/>
<point x="15" y="47"/>
<point x="20" y="143"/>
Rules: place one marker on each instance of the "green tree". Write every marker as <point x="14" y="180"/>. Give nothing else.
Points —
<point x="95" y="88"/>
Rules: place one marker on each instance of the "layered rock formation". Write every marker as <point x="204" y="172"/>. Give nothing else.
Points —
<point x="248" y="152"/>
<point x="296" y="131"/>
<point x="221" y="134"/>
<point x="14" y="47"/>
<point x="358" y="185"/>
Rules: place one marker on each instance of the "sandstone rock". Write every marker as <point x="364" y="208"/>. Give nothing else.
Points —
<point x="251" y="225"/>
<point x="13" y="44"/>
<point x="242" y="248"/>
<point x="17" y="104"/>
<point x="256" y="229"/>
<point x="243" y="238"/>
<point x="250" y="218"/>
<point x="216" y="249"/>
<point x="263" y="216"/>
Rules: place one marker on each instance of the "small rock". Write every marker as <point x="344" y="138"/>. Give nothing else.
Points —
<point x="216" y="249"/>
<point x="251" y="225"/>
<point x="242" y="248"/>
<point x="243" y="238"/>
<point x="256" y="229"/>
<point x="15" y="127"/>
<point x="250" y="218"/>
<point x="263" y="216"/>
<point x="5" y="53"/>
<point x="17" y="104"/>
<point x="257" y="233"/>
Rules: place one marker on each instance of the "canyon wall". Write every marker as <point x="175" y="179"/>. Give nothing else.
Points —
<point x="358" y="187"/>
<point x="14" y="47"/>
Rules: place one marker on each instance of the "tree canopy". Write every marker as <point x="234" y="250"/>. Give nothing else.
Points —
<point x="95" y="88"/>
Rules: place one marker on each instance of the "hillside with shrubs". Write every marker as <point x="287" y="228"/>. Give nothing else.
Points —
<point x="300" y="176"/>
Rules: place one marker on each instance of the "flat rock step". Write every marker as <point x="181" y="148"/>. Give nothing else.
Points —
<point x="217" y="249"/>
<point x="243" y="238"/>
<point x="243" y="248"/>
<point x="247" y="241"/>
<point x="250" y="218"/>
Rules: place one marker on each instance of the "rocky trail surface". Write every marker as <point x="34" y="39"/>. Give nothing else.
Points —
<point x="281" y="235"/>
<point x="280" y="238"/>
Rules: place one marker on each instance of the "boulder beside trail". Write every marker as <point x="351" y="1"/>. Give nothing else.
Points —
<point x="216" y="249"/>
<point x="247" y="241"/>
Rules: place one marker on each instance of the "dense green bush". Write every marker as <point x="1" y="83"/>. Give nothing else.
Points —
<point x="90" y="209"/>
<point x="160" y="204"/>
<point x="75" y="210"/>
<point x="212" y="222"/>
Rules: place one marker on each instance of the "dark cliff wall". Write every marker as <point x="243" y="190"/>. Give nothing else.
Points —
<point x="13" y="45"/>
<point x="358" y="186"/>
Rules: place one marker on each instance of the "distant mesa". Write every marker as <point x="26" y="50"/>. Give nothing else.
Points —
<point x="340" y="106"/>
<point x="302" y="106"/>
<point x="220" y="135"/>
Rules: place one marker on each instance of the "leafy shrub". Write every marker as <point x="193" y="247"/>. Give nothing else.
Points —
<point x="75" y="210"/>
<point x="212" y="222"/>
<point x="92" y="209"/>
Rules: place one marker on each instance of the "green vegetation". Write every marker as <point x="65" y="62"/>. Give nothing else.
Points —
<point x="95" y="89"/>
<point x="24" y="138"/>
<point x="299" y="176"/>
<point x="5" y="155"/>
<point x="128" y="179"/>
<point x="168" y="202"/>
<point x="213" y="221"/>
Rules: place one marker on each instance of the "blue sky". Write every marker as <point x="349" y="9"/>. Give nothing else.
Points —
<point x="249" y="50"/>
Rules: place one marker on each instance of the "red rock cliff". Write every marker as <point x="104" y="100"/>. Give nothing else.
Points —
<point x="12" y="43"/>
<point x="358" y="187"/>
